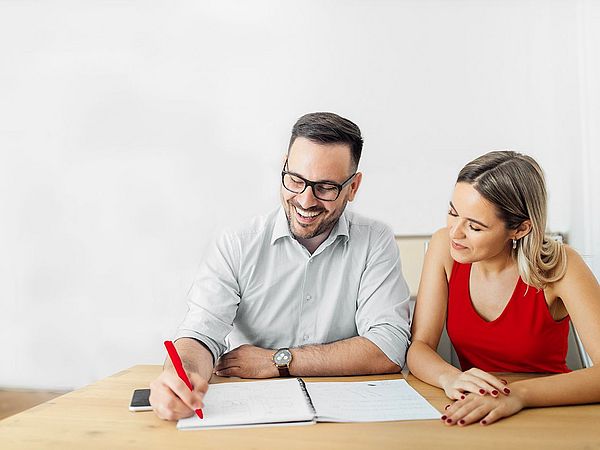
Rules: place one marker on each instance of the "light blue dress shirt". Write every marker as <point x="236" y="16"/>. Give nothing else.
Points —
<point x="258" y="285"/>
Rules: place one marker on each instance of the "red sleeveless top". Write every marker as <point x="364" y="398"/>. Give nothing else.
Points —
<point x="524" y="338"/>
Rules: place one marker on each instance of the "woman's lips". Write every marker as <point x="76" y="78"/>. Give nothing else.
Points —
<point x="456" y="246"/>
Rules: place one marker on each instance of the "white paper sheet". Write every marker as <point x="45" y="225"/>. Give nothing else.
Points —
<point x="252" y="403"/>
<point x="369" y="401"/>
<point x="283" y="402"/>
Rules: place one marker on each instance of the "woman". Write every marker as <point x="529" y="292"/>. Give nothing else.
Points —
<point x="507" y="293"/>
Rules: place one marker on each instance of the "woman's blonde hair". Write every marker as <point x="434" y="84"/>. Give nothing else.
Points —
<point x="515" y="184"/>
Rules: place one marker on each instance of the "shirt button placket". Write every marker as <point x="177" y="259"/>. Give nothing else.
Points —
<point x="309" y="309"/>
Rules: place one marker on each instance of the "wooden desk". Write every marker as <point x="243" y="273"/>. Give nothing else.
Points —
<point x="96" y="417"/>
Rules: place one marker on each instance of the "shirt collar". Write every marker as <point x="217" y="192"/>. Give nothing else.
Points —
<point x="282" y="229"/>
<point x="341" y="227"/>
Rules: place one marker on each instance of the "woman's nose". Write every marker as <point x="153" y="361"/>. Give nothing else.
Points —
<point x="456" y="229"/>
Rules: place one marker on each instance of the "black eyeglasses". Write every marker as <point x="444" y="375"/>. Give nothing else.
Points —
<point x="326" y="191"/>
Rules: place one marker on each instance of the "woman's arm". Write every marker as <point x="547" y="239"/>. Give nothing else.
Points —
<point x="580" y="293"/>
<point x="428" y="323"/>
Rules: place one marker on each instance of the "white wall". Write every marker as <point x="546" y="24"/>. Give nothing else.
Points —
<point x="585" y="217"/>
<point x="130" y="132"/>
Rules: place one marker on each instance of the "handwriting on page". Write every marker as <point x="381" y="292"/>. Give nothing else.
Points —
<point x="230" y="404"/>
<point x="369" y="401"/>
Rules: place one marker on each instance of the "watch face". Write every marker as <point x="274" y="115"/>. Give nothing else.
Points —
<point x="282" y="357"/>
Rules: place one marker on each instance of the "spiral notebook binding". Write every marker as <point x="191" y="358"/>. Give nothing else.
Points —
<point x="306" y="394"/>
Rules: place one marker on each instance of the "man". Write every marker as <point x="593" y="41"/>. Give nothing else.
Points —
<point x="304" y="291"/>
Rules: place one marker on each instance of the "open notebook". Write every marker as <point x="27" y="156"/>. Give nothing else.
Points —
<point x="294" y="402"/>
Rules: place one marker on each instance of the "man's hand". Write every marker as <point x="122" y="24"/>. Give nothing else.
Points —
<point x="171" y="399"/>
<point x="474" y="380"/>
<point x="247" y="361"/>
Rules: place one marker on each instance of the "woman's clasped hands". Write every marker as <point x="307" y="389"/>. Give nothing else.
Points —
<point x="480" y="397"/>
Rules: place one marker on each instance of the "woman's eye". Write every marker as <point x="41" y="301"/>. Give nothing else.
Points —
<point x="452" y="213"/>
<point x="474" y="228"/>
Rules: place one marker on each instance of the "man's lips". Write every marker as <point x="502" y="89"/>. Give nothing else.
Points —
<point x="306" y="216"/>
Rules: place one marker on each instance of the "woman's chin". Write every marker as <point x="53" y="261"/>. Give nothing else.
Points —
<point x="460" y="256"/>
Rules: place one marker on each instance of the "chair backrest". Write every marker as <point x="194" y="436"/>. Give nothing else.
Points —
<point x="412" y="252"/>
<point x="577" y="357"/>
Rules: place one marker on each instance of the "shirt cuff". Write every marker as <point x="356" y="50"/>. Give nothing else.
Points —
<point x="209" y="343"/>
<point x="393" y="347"/>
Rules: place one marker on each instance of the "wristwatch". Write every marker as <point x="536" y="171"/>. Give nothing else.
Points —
<point x="282" y="359"/>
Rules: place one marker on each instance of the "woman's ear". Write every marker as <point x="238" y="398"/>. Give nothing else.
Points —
<point x="522" y="230"/>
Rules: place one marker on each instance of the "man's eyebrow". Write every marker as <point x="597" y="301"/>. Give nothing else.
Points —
<point x="468" y="218"/>
<point x="318" y="181"/>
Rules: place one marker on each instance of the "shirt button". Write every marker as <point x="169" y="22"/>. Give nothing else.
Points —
<point x="310" y="260"/>
<point x="306" y="336"/>
<point x="308" y="298"/>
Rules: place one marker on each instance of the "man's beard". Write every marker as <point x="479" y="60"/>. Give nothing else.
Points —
<point x="326" y="225"/>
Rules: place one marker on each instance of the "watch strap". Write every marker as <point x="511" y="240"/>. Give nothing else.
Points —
<point x="284" y="371"/>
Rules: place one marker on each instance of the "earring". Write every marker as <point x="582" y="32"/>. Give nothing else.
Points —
<point x="514" y="244"/>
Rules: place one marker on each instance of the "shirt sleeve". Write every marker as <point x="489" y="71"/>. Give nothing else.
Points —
<point x="382" y="314"/>
<point x="214" y="297"/>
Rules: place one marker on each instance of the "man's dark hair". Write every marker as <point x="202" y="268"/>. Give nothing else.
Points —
<point x="329" y="128"/>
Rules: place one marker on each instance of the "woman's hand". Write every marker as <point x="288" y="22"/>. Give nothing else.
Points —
<point x="484" y="409"/>
<point x="475" y="381"/>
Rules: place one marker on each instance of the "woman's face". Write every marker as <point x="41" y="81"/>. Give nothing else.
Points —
<point x="476" y="232"/>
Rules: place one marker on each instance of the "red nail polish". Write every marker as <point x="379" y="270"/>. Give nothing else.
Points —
<point x="483" y="422"/>
<point x="494" y="392"/>
<point x="462" y="397"/>
<point x="506" y="390"/>
<point x="481" y="391"/>
<point x="461" y="422"/>
<point x="448" y="420"/>
<point x="444" y="417"/>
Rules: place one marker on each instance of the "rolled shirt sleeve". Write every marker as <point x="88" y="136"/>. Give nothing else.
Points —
<point x="214" y="297"/>
<point x="383" y="314"/>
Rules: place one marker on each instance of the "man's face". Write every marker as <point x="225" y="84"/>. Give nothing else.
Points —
<point x="307" y="215"/>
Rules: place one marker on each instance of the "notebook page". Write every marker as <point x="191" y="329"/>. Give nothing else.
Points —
<point x="369" y="401"/>
<point x="251" y="403"/>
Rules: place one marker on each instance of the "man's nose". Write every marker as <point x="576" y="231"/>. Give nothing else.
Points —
<point x="307" y="198"/>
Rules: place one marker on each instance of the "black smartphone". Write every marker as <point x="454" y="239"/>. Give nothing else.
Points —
<point x="140" y="401"/>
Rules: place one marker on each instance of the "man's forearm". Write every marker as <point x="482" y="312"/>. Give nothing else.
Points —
<point x="352" y="356"/>
<point x="194" y="356"/>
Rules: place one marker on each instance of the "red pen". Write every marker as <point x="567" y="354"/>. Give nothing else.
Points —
<point x="176" y="360"/>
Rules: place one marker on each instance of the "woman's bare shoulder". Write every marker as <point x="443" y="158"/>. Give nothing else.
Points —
<point x="576" y="266"/>
<point x="577" y="272"/>
<point x="439" y="246"/>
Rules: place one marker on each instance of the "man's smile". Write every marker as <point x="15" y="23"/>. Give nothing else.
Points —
<point x="306" y="217"/>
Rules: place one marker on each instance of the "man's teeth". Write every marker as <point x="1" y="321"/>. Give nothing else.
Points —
<point x="307" y="214"/>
